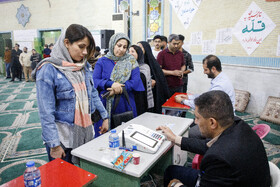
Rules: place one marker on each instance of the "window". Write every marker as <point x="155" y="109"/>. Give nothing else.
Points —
<point x="153" y="18"/>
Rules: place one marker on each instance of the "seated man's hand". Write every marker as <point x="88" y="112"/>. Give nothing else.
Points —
<point x="178" y="183"/>
<point x="167" y="132"/>
<point x="180" y="98"/>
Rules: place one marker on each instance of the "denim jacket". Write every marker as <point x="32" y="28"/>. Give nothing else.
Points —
<point x="56" y="101"/>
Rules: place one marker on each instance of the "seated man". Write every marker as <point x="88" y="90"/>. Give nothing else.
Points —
<point x="213" y="69"/>
<point x="235" y="155"/>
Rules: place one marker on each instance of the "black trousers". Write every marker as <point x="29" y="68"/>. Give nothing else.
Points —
<point x="188" y="176"/>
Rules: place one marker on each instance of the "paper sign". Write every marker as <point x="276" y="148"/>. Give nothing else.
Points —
<point x="209" y="47"/>
<point x="185" y="10"/>
<point x="224" y="36"/>
<point x="196" y="38"/>
<point x="252" y="28"/>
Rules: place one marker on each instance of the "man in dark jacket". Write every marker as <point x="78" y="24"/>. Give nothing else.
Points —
<point x="235" y="155"/>
<point x="188" y="61"/>
<point x="35" y="59"/>
<point x="16" y="67"/>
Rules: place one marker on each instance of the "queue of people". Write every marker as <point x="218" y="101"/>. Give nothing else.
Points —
<point x="19" y="63"/>
<point x="138" y="78"/>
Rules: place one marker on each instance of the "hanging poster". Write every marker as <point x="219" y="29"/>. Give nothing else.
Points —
<point x="252" y="28"/>
<point x="209" y="47"/>
<point x="196" y="38"/>
<point x="224" y="36"/>
<point x="185" y="10"/>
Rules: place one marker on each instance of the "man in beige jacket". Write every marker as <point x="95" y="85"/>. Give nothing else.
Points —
<point x="24" y="59"/>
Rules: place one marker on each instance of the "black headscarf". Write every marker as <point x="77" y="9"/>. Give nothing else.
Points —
<point x="161" y="90"/>
<point x="140" y="58"/>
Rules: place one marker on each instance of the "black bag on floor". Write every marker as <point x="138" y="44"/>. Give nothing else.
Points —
<point x="117" y="119"/>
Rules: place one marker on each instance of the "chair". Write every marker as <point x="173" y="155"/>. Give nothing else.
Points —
<point x="275" y="174"/>
<point x="196" y="161"/>
<point x="261" y="129"/>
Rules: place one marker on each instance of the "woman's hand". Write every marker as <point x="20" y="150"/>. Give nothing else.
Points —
<point x="117" y="87"/>
<point x="153" y="83"/>
<point x="104" y="127"/>
<point x="57" y="152"/>
<point x="111" y="92"/>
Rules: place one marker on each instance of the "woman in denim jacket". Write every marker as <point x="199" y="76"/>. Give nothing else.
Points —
<point x="66" y="94"/>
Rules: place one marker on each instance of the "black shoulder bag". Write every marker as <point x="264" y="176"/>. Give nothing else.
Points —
<point x="117" y="119"/>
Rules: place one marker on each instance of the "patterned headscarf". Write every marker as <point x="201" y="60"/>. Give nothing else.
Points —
<point x="124" y="64"/>
<point x="123" y="67"/>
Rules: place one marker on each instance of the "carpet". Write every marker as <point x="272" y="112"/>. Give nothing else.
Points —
<point x="20" y="130"/>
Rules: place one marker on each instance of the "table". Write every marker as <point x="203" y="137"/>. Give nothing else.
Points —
<point x="171" y="104"/>
<point x="94" y="154"/>
<point x="58" y="173"/>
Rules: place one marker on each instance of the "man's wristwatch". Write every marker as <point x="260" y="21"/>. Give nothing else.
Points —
<point x="182" y="102"/>
<point x="174" y="183"/>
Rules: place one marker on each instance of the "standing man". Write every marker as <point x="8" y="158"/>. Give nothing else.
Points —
<point x="35" y="59"/>
<point x="7" y="60"/>
<point x="46" y="51"/>
<point x="16" y="66"/>
<point x="213" y="69"/>
<point x="51" y="46"/>
<point x="235" y="155"/>
<point x="157" y="45"/>
<point x="163" y="42"/>
<point x="25" y="61"/>
<point x="188" y="61"/>
<point x="172" y="63"/>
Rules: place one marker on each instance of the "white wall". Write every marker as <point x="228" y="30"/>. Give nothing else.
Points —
<point x="58" y="14"/>
<point x="260" y="82"/>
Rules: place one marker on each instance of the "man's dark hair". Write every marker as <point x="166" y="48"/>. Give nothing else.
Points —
<point x="51" y="44"/>
<point x="215" y="104"/>
<point x="163" y="38"/>
<point x="17" y="44"/>
<point x="211" y="61"/>
<point x="157" y="37"/>
<point x="76" y="32"/>
<point x="181" y="37"/>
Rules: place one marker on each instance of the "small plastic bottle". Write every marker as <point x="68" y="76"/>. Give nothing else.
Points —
<point x="114" y="143"/>
<point x="32" y="175"/>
